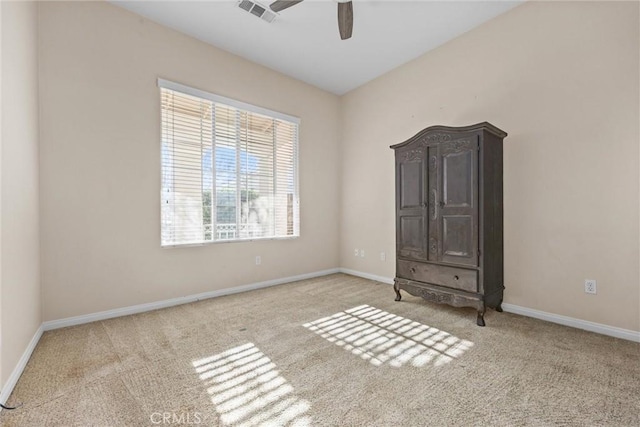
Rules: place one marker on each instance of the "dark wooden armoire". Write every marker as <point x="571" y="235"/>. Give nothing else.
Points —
<point x="449" y="245"/>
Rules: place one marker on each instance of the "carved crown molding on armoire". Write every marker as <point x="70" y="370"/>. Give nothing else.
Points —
<point x="449" y="220"/>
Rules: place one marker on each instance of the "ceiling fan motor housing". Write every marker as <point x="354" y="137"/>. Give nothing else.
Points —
<point x="345" y="13"/>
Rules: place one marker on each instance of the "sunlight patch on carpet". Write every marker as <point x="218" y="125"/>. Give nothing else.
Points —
<point x="247" y="390"/>
<point x="381" y="337"/>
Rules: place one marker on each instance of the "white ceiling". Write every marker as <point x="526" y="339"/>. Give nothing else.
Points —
<point x="303" y="41"/>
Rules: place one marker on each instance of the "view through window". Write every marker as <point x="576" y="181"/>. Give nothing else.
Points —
<point x="229" y="170"/>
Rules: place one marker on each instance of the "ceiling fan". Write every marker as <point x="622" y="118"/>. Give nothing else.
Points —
<point x="345" y="14"/>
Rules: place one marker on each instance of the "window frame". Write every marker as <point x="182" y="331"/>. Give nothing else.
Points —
<point x="188" y="90"/>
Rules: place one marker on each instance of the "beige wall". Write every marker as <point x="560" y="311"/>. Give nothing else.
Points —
<point x="2" y="380"/>
<point x="20" y="273"/>
<point x="100" y="166"/>
<point x="562" y="79"/>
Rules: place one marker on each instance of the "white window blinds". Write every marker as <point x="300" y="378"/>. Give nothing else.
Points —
<point x="229" y="170"/>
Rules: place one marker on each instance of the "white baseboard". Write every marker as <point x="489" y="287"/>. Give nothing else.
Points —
<point x="599" y="328"/>
<point x="8" y="386"/>
<point x="141" y="308"/>
<point x="382" y="279"/>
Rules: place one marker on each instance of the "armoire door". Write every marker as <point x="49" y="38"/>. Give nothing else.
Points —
<point x="457" y="201"/>
<point x="411" y="228"/>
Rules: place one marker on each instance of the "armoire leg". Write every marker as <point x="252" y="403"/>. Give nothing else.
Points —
<point x="480" y="320"/>
<point x="395" y="288"/>
<point x="499" y="307"/>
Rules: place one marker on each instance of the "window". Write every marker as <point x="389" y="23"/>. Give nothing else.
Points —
<point x="229" y="169"/>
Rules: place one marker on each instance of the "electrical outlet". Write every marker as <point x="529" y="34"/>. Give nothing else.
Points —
<point x="383" y="256"/>
<point x="258" y="260"/>
<point x="355" y="252"/>
<point x="590" y="286"/>
<point x="361" y="253"/>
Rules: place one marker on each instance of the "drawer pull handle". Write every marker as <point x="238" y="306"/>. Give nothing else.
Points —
<point x="456" y="277"/>
<point x="412" y="269"/>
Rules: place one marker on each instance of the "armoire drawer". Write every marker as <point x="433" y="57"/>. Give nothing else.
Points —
<point x="457" y="278"/>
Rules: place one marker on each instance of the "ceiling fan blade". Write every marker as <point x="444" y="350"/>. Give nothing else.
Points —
<point x="279" y="5"/>
<point x="345" y="19"/>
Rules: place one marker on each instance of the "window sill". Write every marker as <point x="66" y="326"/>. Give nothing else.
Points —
<point x="216" y="242"/>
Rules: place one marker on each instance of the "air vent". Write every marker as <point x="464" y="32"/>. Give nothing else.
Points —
<point x="256" y="9"/>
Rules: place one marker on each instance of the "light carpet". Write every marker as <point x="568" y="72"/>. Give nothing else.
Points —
<point x="330" y="351"/>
